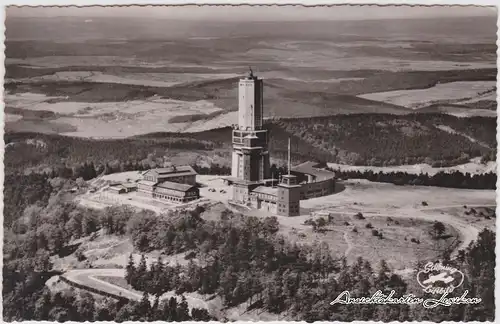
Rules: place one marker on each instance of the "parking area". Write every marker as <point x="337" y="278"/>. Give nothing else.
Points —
<point x="214" y="188"/>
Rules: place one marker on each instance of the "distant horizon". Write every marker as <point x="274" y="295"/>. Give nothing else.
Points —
<point x="250" y="13"/>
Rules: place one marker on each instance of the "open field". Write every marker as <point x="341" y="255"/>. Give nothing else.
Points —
<point x="453" y="92"/>
<point x="353" y="238"/>
<point x="379" y="202"/>
<point x="146" y="79"/>
<point x="112" y="119"/>
<point x="93" y="107"/>
<point x="95" y="84"/>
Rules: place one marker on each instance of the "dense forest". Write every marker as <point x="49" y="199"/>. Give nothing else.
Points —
<point x="381" y="140"/>
<point x="455" y="179"/>
<point x="242" y="260"/>
<point x="358" y="139"/>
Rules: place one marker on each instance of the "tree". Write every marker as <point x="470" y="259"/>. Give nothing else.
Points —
<point x="170" y="310"/>
<point x="200" y="314"/>
<point x="42" y="261"/>
<point x="85" y="307"/>
<point x="183" y="311"/>
<point x="143" y="308"/>
<point x="130" y="274"/>
<point x="438" y="229"/>
<point x="106" y="311"/>
<point x="43" y="306"/>
<point x="127" y="313"/>
<point x="141" y="274"/>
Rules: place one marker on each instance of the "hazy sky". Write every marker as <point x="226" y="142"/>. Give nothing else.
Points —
<point x="256" y="13"/>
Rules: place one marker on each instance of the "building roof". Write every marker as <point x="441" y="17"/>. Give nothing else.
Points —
<point x="173" y="171"/>
<point x="174" y="186"/>
<point x="147" y="183"/>
<point x="116" y="188"/>
<point x="310" y="168"/>
<point x="266" y="190"/>
<point x="129" y="185"/>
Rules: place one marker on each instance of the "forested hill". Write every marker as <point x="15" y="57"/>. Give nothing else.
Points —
<point x="358" y="139"/>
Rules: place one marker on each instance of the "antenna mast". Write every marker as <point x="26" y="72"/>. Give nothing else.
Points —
<point x="288" y="155"/>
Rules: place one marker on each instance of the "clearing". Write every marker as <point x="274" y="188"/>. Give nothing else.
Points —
<point x="452" y="92"/>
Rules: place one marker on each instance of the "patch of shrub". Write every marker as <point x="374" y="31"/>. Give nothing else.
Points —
<point x="369" y="225"/>
<point x="359" y="216"/>
<point x="309" y="222"/>
<point x="80" y="256"/>
<point x="190" y="255"/>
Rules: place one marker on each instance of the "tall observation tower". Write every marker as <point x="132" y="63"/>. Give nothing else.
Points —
<point x="250" y="157"/>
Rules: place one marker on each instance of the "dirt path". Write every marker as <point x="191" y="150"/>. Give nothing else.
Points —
<point x="450" y="130"/>
<point x="350" y="245"/>
<point x="468" y="232"/>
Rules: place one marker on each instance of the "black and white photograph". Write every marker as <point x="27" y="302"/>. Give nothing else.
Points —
<point x="249" y="163"/>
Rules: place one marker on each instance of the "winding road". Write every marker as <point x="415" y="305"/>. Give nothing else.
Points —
<point x="88" y="278"/>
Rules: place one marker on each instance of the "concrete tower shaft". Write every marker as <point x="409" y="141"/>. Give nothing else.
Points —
<point x="250" y="103"/>
<point x="250" y="158"/>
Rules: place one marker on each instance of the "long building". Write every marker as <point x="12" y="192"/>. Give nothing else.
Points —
<point x="250" y="161"/>
<point x="174" y="184"/>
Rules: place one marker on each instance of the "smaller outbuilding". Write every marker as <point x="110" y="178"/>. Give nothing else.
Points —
<point x="129" y="186"/>
<point x="117" y="189"/>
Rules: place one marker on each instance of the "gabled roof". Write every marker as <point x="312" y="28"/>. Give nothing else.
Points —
<point x="174" y="186"/>
<point x="311" y="168"/>
<point x="172" y="171"/>
<point x="129" y="184"/>
<point x="147" y="183"/>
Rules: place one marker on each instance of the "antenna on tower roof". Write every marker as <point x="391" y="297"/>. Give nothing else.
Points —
<point x="251" y="71"/>
<point x="289" y="164"/>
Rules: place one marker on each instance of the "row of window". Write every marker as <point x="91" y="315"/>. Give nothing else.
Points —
<point x="170" y="198"/>
<point x="291" y="210"/>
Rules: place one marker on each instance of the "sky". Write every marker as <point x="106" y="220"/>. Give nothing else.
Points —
<point x="255" y="13"/>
